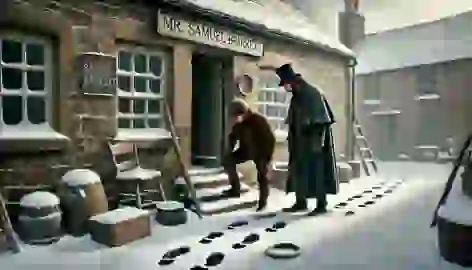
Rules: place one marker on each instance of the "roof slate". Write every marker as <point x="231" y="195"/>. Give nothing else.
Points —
<point x="439" y="41"/>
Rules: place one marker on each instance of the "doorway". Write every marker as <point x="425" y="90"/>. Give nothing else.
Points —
<point x="211" y="80"/>
<point x="388" y="137"/>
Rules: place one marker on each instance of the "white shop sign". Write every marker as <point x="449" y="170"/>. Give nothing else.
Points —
<point x="202" y="32"/>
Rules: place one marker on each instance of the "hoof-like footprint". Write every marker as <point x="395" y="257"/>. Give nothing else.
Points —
<point x="367" y="191"/>
<point x="172" y="254"/>
<point x="250" y="239"/>
<point x="198" y="267"/>
<point x="349" y="213"/>
<point x="164" y="262"/>
<point x="341" y="205"/>
<point x="369" y="203"/>
<point x="358" y="196"/>
<point x="238" y="246"/>
<point x="214" y="259"/>
<point x="237" y="224"/>
<point x="378" y="196"/>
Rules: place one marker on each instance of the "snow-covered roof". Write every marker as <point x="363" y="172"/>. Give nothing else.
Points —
<point x="275" y="16"/>
<point x="439" y="41"/>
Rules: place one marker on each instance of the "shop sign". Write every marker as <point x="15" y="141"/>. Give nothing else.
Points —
<point x="174" y="26"/>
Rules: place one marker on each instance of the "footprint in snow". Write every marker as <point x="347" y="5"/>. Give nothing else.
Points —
<point x="238" y="246"/>
<point x="349" y="213"/>
<point x="369" y="203"/>
<point x="358" y="196"/>
<point x="341" y="205"/>
<point x="277" y="226"/>
<point x="237" y="224"/>
<point x="250" y="239"/>
<point x="367" y="191"/>
<point x="214" y="259"/>
<point x="172" y="254"/>
<point x="198" y="267"/>
<point x="378" y="196"/>
<point x="165" y="262"/>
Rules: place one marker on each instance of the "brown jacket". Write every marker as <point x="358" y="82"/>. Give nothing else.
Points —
<point x="255" y="137"/>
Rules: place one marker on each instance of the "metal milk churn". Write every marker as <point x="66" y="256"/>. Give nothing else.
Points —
<point x="40" y="218"/>
<point x="181" y="192"/>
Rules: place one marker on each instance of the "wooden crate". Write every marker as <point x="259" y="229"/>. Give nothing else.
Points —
<point x="120" y="226"/>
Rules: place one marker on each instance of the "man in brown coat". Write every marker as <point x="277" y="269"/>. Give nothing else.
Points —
<point x="256" y="143"/>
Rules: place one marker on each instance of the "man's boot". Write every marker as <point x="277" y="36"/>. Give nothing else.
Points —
<point x="232" y="193"/>
<point x="300" y="205"/>
<point x="320" y="208"/>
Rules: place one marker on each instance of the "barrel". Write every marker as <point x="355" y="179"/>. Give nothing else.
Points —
<point x="40" y="218"/>
<point x="83" y="196"/>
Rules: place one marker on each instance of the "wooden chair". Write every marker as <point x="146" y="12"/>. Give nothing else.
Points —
<point x="126" y="160"/>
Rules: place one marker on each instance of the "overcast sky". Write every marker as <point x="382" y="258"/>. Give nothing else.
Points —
<point x="387" y="14"/>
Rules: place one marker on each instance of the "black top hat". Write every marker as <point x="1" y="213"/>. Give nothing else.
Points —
<point x="286" y="74"/>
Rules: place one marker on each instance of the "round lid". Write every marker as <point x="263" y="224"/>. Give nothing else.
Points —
<point x="283" y="251"/>
<point x="169" y="206"/>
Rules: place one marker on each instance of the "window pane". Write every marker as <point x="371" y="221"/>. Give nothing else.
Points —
<point x="261" y="96"/>
<point x="124" y="83"/>
<point x="35" y="80"/>
<point x="139" y="106"/>
<point x="124" y="105"/>
<point x="12" y="78"/>
<point x="124" y="61"/>
<point x="12" y="109"/>
<point x="260" y="109"/>
<point x="34" y="54"/>
<point x="155" y="65"/>
<point x="124" y="123"/>
<point x="12" y="51"/>
<point x="139" y="84"/>
<point x="272" y="111"/>
<point x="155" y="86"/>
<point x="140" y="63"/>
<point x="139" y="123"/>
<point x="154" y="106"/>
<point x="279" y="97"/>
<point x="155" y="123"/>
<point x="36" y="110"/>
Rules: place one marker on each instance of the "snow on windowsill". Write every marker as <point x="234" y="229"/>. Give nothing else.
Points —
<point x="386" y="113"/>
<point x="30" y="132"/>
<point x="372" y="102"/>
<point x="458" y="207"/>
<point x="427" y="97"/>
<point x="152" y="134"/>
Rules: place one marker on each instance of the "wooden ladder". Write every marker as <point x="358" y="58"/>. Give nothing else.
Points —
<point x="365" y="151"/>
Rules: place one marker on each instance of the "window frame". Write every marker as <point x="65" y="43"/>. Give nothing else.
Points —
<point x="145" y="96"/>
<point x="265" y="86"/>
<point x="24" y="92"/>
<point x="426" y="78"/>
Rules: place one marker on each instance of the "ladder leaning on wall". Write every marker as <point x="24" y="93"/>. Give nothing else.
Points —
<point x="365" y="152"/>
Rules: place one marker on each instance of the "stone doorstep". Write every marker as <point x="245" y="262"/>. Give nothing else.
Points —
<point x="227" y="205"/>
<point x="202" y="171"/>
<point x="215" y="194"/>
<point x="211" y="180"/>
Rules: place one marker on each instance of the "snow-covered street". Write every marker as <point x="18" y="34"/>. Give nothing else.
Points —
<point x="392" y="233"/>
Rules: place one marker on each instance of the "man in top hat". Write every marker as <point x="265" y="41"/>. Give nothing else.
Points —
<point x="312" y="172"/>
<point x="256" y="143"/>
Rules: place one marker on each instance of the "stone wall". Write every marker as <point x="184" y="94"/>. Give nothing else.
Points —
<point x="398" y="91"/>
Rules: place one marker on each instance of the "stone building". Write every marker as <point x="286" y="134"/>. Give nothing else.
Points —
<point x="77" y="74"/>
<point x="413" y="88"/>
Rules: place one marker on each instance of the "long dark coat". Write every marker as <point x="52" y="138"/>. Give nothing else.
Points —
<point x="314" y="172"/>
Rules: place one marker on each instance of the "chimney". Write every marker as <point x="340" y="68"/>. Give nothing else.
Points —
<point x="351" y="24"/>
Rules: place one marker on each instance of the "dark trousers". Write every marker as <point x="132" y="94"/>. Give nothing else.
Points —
<point x="311" y="167"/>
<point x="262" y="165"/>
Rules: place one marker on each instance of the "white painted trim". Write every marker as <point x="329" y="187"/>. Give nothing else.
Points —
<point x="25" y="129"/>
<point x="145" y="96"/>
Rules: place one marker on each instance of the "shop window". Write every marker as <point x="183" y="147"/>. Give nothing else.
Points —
<point x="26" y="82"/>
<point x="273" y="102"/>
<point x="140" y="88"/>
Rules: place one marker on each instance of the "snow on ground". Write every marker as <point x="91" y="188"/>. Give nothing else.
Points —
<point x="392" y="234"/>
